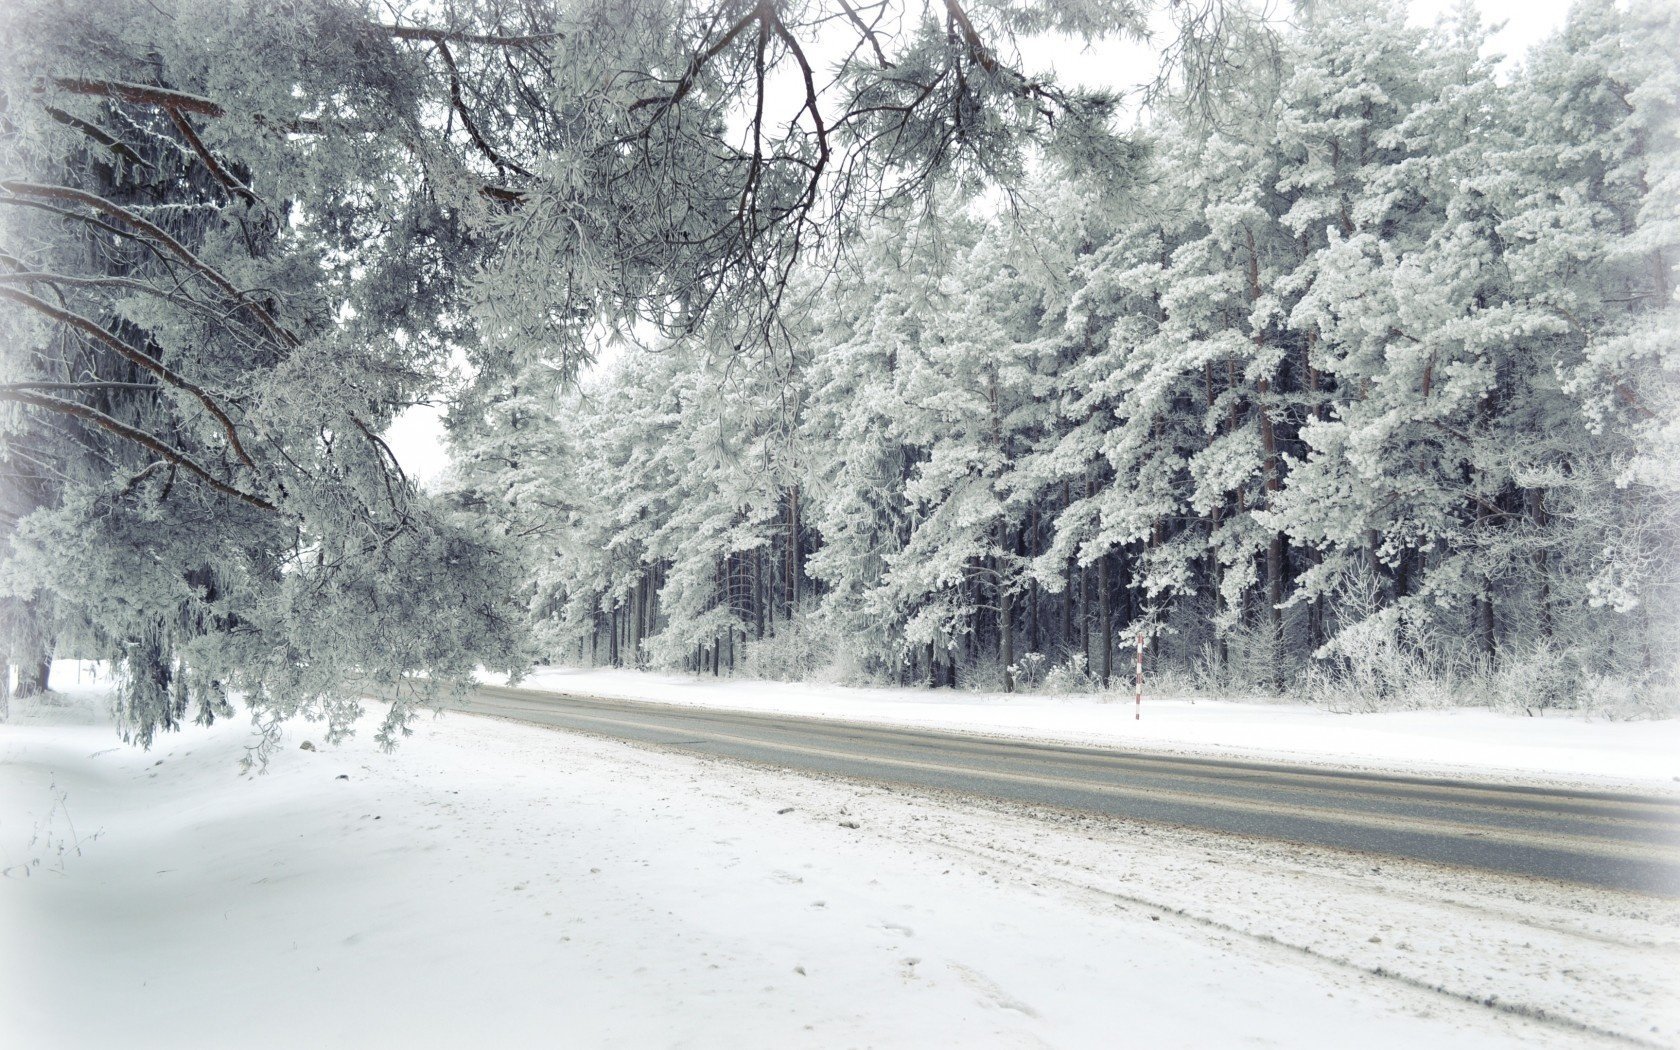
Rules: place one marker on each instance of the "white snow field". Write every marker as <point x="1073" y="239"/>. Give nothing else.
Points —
<point x="1451" y="741"/>
<point x="493" y="884"/>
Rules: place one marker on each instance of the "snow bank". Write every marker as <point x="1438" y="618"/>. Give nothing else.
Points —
<point x="496" y="884"/>
<point x="1456" y="742"/>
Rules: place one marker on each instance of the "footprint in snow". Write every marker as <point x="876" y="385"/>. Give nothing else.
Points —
<point x="990" y="993"/>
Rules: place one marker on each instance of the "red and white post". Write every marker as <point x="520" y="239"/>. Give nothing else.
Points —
<point x="1139" y="708"/>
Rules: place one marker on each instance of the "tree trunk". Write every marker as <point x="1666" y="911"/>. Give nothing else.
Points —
<point x="758" y="594"/>
<point x="1006" y="617"/>
<point x="1274" y="604"/>
<point x="33" y="675"/>
<point x="1488" y="626"/>
<point x="1542" y="566"/>
<point x="1107" y="619"/>
<point x="1067" y="588"/>
<point x="1030" y="546"/>
<point x="793" y="550"/>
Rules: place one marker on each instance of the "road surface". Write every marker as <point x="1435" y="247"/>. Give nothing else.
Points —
<point x="1624" y="841"/>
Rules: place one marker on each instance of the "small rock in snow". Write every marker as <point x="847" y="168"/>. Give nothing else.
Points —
<point x="849" y="824"/>
<point x="780" y="812"/>
<point x="306" y="746"/>
<point x="342" y="776"/>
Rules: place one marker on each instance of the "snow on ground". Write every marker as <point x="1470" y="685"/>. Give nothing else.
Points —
<point x="1459" y="741"/>
<point x="498" y="884"/>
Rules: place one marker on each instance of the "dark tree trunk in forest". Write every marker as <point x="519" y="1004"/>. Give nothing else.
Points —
<point x="1542" y="562"/>
<point x="1489" y="627"/>
<point x="1067" y="586"/>
<point x="1107" y="619"/>
<point x="1006" y="618"/>
<point x="1084" y="623"/>
<point x="793" y="550"/>
<point x="1274" y="602"/>
<point x="1030" y="547"/>
<point x="1272" y="481"/>
<point x="1067" y="604"/>
<point x="33" y="675"/>
<point x="758" y="594"/>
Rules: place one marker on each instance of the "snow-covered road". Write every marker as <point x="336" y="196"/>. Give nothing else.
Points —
<point x="497" y="884"/>
<point x="1559" y="747"/>
<point x="1625" y="841"/>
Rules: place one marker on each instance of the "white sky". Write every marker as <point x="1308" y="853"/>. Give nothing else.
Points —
<point x="417" y="435"/>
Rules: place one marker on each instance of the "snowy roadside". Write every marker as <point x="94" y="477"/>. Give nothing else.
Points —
<point x="498" y="884"/>
<point x="1466" y="743"/>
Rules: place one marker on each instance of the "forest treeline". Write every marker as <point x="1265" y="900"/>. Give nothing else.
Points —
<point x="1366" y="381"/>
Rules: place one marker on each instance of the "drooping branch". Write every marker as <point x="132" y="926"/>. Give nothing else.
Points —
<point x="104" y="337"/>
<point x="1019" y="85"/>
<point x="220" y="172"/>
<point x="78" y="386"/>
<point x="459" y="105"/>
<point x="812" y="105"/>
<point x="696" y="65"/>
<point x="158" y="234"/>
<point x="868" y="33"/>
<point x="99" y="135"/>
<point x="174" y="296"/>
<point x="139" y="437"/>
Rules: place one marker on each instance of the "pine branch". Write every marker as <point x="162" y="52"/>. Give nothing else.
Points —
<point x="156" y="233"/>
<point x="105" y="337"/>
<point x="140" y="437"/>
<point x="145" y="94"/>
<point x="450" y="36"/>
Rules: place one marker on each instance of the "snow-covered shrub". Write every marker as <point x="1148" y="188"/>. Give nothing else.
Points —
<point x="1029" y="671"/>
<point x="1549" y="677"/>
<point x="800" y="650"/>
<point x="1623" y="700"/>
<point x="1540" y="679"/>
<point x="1072" y="676"/>
<point x="1379" y="674"/>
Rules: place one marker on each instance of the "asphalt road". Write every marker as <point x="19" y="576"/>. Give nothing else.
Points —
<point x="1624" y="841"/>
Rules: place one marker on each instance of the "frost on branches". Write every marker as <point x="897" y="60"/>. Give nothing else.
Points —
<point x="1357" y="375"/>
<point x="237" y="239"/>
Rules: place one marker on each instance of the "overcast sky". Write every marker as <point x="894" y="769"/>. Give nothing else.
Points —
<point x="417" y="435"/>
